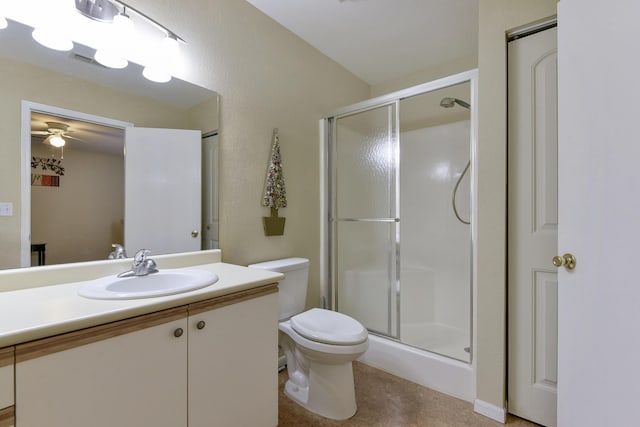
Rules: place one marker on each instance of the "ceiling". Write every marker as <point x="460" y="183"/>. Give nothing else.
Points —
<point x="380" y="40"/>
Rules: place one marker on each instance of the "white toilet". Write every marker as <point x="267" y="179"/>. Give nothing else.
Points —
<point x="319" y="345"/>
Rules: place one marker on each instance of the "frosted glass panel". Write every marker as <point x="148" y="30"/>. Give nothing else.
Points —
<point x="365" y="164"/>
<point x="366" y="273"/>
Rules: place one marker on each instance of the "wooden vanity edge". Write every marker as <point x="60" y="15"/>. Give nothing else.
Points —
<point x="8" y="417"/>
<point x="7" y="357"/>
<point x="66" y="341"/>
<point x="236" y="297"/>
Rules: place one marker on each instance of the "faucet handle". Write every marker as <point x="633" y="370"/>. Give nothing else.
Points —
<point x="140" y="257"/>
<point x="118" y="252"/>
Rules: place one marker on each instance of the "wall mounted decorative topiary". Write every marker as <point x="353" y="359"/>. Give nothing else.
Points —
<point x="275" y="194"/>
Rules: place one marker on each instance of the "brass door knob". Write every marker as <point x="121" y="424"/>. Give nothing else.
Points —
<point x="194" y="233"/>
<point x="568" y="260"/>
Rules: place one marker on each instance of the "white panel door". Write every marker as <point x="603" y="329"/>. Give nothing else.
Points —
<point x="162" y="190"/>
<point x="533" y="225"/>
<point x="599" y="213"/>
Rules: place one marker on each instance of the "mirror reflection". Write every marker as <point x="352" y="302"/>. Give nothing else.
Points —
<point x="47" y="92"/>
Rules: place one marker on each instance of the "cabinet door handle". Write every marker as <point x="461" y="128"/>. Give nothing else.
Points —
<point x="200" y="324"/>
<point x="178" y="333"/>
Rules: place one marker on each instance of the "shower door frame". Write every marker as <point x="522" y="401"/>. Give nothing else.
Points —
<point x="328" y="225"/>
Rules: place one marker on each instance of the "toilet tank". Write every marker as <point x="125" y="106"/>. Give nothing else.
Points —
<point x="292" y="291"/>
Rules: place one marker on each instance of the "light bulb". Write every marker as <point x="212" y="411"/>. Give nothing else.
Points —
<point x="111" y="52"/>
<point x="163" y="57"/>
<point x="57" y="141"/>
<point x="155" y="74"/>
<point x="50" y="37"/>
<point x="169" y="47"/>
<point x="123" y="24"/>
<point x="109" y="58"/>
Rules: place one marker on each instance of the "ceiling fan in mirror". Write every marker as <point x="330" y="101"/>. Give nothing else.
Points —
<point x="55" y="135"/>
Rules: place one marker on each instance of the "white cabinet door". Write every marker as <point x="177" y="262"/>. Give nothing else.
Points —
<point x="233" y="364"/>
<point x="137" y="378"/>
<point x="162" y="190"/>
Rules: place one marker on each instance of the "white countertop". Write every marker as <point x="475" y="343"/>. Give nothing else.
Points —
<point x="39" y="312"/>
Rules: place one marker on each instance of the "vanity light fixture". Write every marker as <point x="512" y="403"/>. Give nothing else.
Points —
<point x="111" y="54"/>
<point x="109" y="29"/>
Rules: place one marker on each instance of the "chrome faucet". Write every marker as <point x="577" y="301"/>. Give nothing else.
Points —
<point x="118" y="252"/>
<point x="141" y="266"/>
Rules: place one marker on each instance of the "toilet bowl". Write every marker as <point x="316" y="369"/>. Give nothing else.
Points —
<point x="319" y="345"/>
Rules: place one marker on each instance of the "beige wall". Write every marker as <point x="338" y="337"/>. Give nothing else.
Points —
<point x="267" y="77"/>
<point x="24" y="82"/>
<point x="204" y="116"/>
<point x="80" y="219"/>
<point x="496" y="17"/>
<point x="433" y="73"/>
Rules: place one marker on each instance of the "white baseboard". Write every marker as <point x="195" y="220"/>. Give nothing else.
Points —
<point x="491" y="411"/>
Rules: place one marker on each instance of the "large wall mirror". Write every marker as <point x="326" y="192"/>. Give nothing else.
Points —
<point x="75" y="214"/>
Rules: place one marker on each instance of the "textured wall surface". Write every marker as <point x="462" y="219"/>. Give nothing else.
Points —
<point x="267" y="77"/>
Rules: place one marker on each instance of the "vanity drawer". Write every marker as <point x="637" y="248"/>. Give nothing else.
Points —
<point x="6" y="377"/>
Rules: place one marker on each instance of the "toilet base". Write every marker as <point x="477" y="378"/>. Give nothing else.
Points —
<point x="330" y="391"/>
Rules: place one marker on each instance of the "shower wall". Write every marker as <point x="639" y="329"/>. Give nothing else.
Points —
<point x="436" y="248"/>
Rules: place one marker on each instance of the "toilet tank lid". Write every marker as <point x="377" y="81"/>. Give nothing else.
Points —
<point x="282" y="265"/>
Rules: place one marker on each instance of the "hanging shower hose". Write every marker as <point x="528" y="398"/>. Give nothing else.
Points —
<point x="453" y="195"/>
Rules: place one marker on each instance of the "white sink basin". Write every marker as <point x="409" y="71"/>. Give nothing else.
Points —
<point x="164" y="282"/>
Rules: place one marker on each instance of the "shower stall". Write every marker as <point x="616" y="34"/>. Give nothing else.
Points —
<point x="399" y="244"/>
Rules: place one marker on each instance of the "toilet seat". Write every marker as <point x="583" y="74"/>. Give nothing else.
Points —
<point x="329" y="327"/>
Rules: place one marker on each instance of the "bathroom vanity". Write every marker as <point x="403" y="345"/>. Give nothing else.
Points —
<point x="200" y="358"/>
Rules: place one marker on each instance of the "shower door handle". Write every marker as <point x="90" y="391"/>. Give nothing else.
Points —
<point x="568" y="260"/>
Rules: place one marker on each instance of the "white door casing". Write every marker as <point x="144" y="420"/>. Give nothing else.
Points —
<point x="598" y="213"/>
<point x="532" y="227"/>
<point x="27" y="107"/>
<point x="162" y="190"/>
<point x="210" y="215"/>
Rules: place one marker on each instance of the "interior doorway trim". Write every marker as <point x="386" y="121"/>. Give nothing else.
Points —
<point x="27" y="107"/>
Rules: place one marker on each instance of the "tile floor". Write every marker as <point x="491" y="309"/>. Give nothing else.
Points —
<point x="385" y="400"/>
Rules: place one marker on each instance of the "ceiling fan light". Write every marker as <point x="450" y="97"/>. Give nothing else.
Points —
<point x="155" y="74"/>
<point x="110" y="59"/>
<point x="57" y="141"/>
<point x="51" y="38"/>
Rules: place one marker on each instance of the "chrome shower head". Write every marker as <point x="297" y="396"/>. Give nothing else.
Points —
<point x="451" y="102"/>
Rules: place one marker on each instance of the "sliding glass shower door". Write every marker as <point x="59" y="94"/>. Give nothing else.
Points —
<point x="365" y="216"/>
<point x="400" y="214"/>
